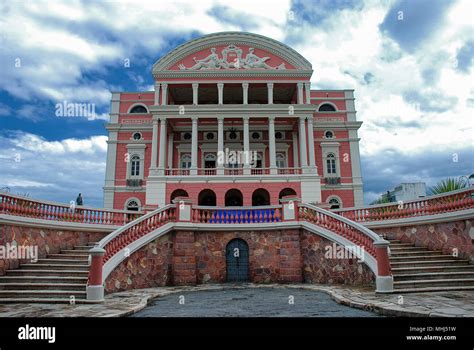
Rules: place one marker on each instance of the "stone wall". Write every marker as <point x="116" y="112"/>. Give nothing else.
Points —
<point x="275" y="256"/>
<point x="441" y="236"/>
<point x="148" y="267"/>
<point x="48" y="241"/>
<point x="317" y="268"/>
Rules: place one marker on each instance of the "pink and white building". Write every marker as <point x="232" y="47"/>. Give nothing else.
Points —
<point x="232" y="121"/>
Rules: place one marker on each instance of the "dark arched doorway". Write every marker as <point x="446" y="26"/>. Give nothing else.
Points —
<point x="237" y="261"/>
<point x="234" y="198"/>
<point x="286" y="192"/>
<point x="178" y="193"/>
<point x="260" y="197"/>
<point x="207" y="198"/>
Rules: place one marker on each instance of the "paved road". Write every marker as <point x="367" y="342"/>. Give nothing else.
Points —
<point x="251" y="302"/>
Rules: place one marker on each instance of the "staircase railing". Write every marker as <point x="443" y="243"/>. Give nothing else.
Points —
<point x="439" y="204"/>
<point x="27" y="207"/>
<point x="122" y="237"/>
<point x="344" y="227"/>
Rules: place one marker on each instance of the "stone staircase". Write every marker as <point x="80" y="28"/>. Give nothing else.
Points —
<point x="417" y="269"/>
<point x="59" y="278"/>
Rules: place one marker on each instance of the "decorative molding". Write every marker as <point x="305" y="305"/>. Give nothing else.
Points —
<point x="281" y="50"/>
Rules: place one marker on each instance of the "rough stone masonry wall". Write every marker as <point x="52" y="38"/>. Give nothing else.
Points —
<point x="148" y="267"/>
<point x="317" y="268"/>
<point x="275" y="256"/>
<point x="48" y="241"/>
<point x="442" y="236"/>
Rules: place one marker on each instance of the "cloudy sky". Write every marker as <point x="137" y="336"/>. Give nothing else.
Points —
<point x="410" y="63"/>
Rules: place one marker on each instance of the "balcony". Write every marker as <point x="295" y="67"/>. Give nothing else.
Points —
<point x="134" y="182"/>
<point x="332" y="180"/>
<point x="233" y="172"/>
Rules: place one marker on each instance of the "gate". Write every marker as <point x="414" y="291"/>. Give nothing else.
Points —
<point x="237" y="261"/>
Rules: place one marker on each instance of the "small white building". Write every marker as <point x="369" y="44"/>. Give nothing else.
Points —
<point x="406" y="192"/>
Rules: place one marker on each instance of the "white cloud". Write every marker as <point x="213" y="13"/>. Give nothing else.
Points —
<point x="55" y="170"/>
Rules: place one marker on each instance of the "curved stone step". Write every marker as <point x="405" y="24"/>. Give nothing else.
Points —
<point x="75" y="252"/>
<point x="43" y="286"/>
<point x="439" y="268"/>
<point x="433" y="275"/>
<point x="48" y="272"/>
<point x="20" y="294"/>
<point x="43" y="279"/>
<point x="54" y="267"/>
<point x="434" y="283"/>
<point x="416" y="253"/>
<point x="421" y="257"/>
<point x="45" y="301"/>
<point x="421" y="263"/>
<point x="432" y="289"/>
<point x="81" y="257"/>
<point x="61" y="261"/>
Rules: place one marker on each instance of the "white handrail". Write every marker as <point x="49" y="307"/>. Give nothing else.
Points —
<point x="118" y="231"/>
<point x="371" y="234"/>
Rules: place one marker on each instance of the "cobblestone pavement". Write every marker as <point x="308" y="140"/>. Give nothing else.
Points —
<point x="250" y="302"/>
<point x="446" y="304"/>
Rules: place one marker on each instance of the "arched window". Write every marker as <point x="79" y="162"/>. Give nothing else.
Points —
<point x="185" y="161"/>
<point x="132" y="204"/>
<point x="331" y="163"/>
<point x="135" y="165"/>
<point x="286" y="192"/>
<point x="234" y="198"/>
<point x="281" y="160"/>
<point x="334" y="203"/>
<point x="139" y="109"/>
<point x="326" y="107"/>
<point x="260" y="197"/>
<point x="178" y="193"/>
<point x="207" y="197"/>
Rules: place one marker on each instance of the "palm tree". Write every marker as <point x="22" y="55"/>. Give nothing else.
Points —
<point x="448" y="185"/>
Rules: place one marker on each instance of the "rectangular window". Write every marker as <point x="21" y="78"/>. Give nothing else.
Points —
<point x="331" y="166"/>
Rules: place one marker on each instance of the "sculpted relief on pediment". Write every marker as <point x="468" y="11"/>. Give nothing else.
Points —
<point x="232" y="58"/>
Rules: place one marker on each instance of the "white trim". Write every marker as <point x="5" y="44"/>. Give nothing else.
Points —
<point x="329" y="103"/>
<point x="467" y="214"/>
<point x="138" y="104"/>
<point x="127" y="202"/>
<point x="279" y="49"/>
<point x="63" y="225"/>
<point x="333" y="196"/>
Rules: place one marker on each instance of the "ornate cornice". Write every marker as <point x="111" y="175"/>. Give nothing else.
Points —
<point x="232" y="38"/>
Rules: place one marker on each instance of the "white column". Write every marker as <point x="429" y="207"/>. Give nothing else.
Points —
<point x="307" y="87"/>
<point x="161" y="164"/>
<point x="220" y="146"/>
<point x="157" y="94"/>
<point x="195" y="93"/>
<point x="164" y="94"/>
<point x="312" y="158"/>
<point x="245" y="91"/>
<point x="246" y="146"/>
<point x="303" y="158"/>
<point x="296" y="162"/>
<point x="300" y="93"/>
<point x="272" y="147"/>
<point x="270" y="93"/>
<point x="220" y="91"/>
<point x="170" y="150"/>
<point x="154" y="144"/>
<point x="194" y="145"/>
